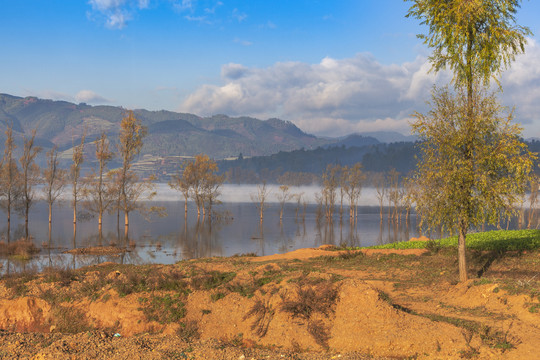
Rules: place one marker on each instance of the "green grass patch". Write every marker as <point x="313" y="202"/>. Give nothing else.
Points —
<point x="163" y="309"/>
<point x="497" y="240"/>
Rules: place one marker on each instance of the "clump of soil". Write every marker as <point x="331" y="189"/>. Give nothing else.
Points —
<point x="308" y="304"/>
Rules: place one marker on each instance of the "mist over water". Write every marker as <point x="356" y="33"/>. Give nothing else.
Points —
<point x="242" y="194"/>
<point x="166" y="240"/>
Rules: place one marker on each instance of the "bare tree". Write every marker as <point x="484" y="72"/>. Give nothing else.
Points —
<point x="533" y="200"/>
<point x="55" y="180"/>
<point x="380" y="187"/>
<point x="283" y="196"/>
<point x="75" y="174"/>
<point x="29" y="176"/>
<point x="352" y="183"/>
<point x="394" y="194"/>
<point x="330" y="180"/>
<point x="260" y="198"/>
<point x="10" y="187"/>
<point x="97" y="190"/>
<point x="183" y="182"/>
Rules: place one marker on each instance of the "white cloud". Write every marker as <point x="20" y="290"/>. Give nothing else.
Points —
<point x="116" y="13"/>
<point x="339" y="96"/>
<point x="239" y="16"/>
<point x="88" y="96"/>
<point x="521" y="87"/>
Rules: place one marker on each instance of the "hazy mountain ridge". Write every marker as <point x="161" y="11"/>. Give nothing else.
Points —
<point x="62" y="123"/>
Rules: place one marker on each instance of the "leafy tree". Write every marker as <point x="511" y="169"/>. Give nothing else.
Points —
<point x="476" y="39"/>
<point x="130" y="143"/>
<point x="207" y="169"/>
<point x="55" y="180"/>
<point x="475" y="184"/>
<point x="201" y="176"/>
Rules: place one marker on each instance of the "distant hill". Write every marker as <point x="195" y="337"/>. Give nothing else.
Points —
<point x="62" y="123"/>
<point x="389" y="136"/>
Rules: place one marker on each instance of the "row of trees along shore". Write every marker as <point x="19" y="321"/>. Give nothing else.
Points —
<point x="102" y="190"/>
<point x="119" y="190"/>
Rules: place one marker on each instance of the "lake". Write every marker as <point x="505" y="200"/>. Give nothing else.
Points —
<point x="170" y="239"/>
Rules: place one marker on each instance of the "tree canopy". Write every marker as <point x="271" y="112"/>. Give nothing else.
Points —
<point x="476" y="39"/>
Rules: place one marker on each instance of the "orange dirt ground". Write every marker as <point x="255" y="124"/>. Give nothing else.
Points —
<point x="306" y="304"/>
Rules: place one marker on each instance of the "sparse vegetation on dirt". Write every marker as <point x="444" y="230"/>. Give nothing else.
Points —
<point x="314" y="306"/>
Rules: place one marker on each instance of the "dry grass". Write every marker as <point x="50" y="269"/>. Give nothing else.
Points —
<point x="20" y="248"/>
<point x="263" y="314"/>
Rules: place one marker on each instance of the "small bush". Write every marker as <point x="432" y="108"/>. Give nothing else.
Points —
<point x="319" y="332"/>
<point x="70" y="320"/>
<point x="188" y="331"/>
<point x="263" y="313"/>
<point x="309" y="299"/>
<point x="164" y="309"/>
<point x="211" y="280"/>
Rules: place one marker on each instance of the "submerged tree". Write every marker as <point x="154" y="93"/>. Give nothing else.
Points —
<point x="75" y="174"/>
<point x="353" y="177"/>
<point x="183" y="181"/>
<point x="98" y="190"/>
<point x="207" y="182"/>
<point x="29" y="176"/>
<point x="475" y="184"/>
<point x="130" y="143"/>
<point x="10" y="186"/>
<point x="283" y="196"/>
<point x="201" y="181"/>
<point x="331" y="181"/>
<point x="380" y="186"/>
<point x="55" y="180"/>
<point x="260" y="197"/>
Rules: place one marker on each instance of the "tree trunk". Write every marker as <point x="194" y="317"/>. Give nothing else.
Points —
<point x="126" y="218"/>
<point x="462" y="259"/>
<point x="50" y="213"/>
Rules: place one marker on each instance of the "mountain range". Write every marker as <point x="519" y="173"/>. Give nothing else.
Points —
<point x="62" y="123"/>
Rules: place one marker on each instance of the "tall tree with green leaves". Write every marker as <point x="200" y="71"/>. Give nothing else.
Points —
<point x="476" y="39"/>
<point x="461" y="189"/>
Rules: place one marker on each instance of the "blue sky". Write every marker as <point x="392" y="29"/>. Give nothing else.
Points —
<point x="330" y="66"/>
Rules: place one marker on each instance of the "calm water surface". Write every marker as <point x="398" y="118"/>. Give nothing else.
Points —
<point x="170" y="239"/>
